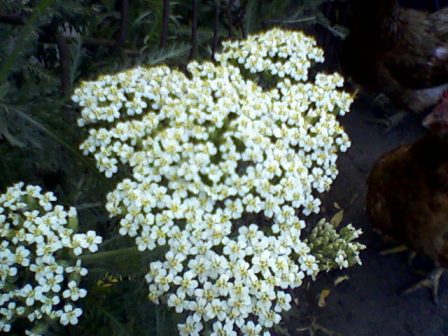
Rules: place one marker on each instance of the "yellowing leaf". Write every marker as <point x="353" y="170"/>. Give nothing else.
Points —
<point x="337" y="218"/>
<point x="322" y="297"/>
<point x="341" y="279"/>
<point x="108" y="280"/>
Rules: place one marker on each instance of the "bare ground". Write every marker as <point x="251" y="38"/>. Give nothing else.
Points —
<point x="369" y="303"/>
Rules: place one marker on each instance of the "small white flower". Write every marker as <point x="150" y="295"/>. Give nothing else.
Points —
<point x="92" y="241"/>
<point x="74" y="292"/>
<point x="192" y="326"/>
<point x="308" y="264"/>
<point x="69" y="315"/>
<point x="21" y="256"/>
<point x="220" y="329"/>
<point x="251" y="329"/>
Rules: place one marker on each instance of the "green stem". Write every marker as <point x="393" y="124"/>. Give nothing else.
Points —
<point x="65" y="144"/>
<point x="6" y="171"/>
<point x="158" y="333"/>
<point x="305" y="19"/>
<point x="86" y="206"/>
<point x="53" y="135"/>
<point x="110" y="240"/>
<point x="109" y="254"/>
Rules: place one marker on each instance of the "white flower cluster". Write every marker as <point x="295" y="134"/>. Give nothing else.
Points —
<point x="207" y="150"/>
<point x="279" y="52"/>
<point x="39" y="271"/>
<point x="231" y="281"/>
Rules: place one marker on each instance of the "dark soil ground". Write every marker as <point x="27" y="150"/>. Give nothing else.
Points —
<point x="369" y="303"/>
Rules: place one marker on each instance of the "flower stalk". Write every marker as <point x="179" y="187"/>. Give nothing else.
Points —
<point x="100" y="256"/>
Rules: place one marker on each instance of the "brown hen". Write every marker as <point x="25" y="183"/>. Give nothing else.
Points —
<point x="400" y="52"/>
<point x="407" y="196"/>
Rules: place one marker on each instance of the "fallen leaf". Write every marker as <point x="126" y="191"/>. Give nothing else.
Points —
<point x="337" y="206"/>
<point x="322" y="296"/>
<point x="337" y="218"/>
<point x="396" y="249"/>
<point x="341" y="279"/>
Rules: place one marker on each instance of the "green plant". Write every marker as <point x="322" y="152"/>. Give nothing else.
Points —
<point x="203" y="152"/>
<point x="47" y="48"/>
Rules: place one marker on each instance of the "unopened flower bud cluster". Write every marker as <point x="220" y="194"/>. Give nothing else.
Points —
<point x="39" y="271"/>
<point x="206" y="150"/>
<point x="335" y="249"/>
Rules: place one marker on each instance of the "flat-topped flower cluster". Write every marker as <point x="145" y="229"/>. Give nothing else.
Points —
<point x="208" y="151"/>
<point x="278" y="52"/>
<point x="39" y="271"/>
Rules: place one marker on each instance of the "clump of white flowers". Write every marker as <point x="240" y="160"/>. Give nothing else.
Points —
<point x="39" y="270"/>
<point x="278" y="52"/>
<point x="208" y="150"/>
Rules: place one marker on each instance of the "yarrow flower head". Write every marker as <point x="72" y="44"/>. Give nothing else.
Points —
<point x="280" y="52"/>
<point x="208" y="149"/>
<point x="40" y="272"/>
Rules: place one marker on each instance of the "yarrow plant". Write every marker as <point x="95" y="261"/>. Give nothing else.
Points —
<point x="40" y="269"/>
<point x="210" y="150"/>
